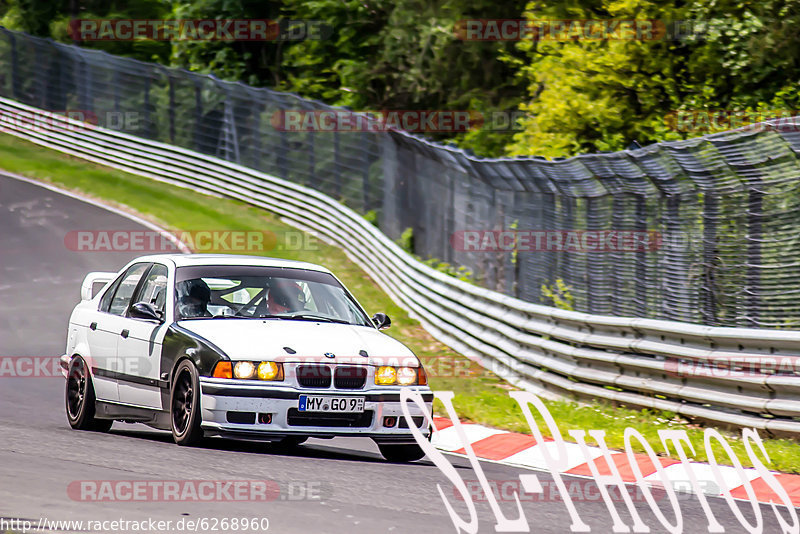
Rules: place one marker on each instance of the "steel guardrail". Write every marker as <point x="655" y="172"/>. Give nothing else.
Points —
<point x="552" y="352"/>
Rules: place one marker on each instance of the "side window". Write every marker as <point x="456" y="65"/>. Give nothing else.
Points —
<point x="105" y="302"/>
<point x="122" y="296"/>
<point x="154" y="289"/>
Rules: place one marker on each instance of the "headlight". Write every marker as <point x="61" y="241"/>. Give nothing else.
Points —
<point x="406" y="376"/>
<point x="385" y="376"/>
<point x="249" y="370"/>
<point x="269" y="371"/>
<point x="402" y="376"/>
<point x="244" y="370"/>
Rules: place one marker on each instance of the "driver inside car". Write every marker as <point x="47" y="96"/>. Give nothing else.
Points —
<point x="193" y="298"/>
<point x="285" y="297"/>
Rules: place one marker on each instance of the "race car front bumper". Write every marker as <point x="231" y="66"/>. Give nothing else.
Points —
<point x="262" y="412"/>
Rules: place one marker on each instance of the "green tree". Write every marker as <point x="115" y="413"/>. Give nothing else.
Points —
<point x="47" y="18"/>
<point x="588" y="96"/>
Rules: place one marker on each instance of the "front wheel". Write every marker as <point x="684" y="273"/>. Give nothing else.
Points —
<point x="185" y="405"/>
<point x="80" y="399"/>
<point x="402" y="453"/>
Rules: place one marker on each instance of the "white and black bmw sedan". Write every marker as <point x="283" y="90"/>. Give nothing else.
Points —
<point x="240" y="347"/>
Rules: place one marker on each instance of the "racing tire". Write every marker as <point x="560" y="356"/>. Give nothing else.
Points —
<point x="80" y="399"/>
<point x="184" y="402"/>
<point x="401" y="453"/>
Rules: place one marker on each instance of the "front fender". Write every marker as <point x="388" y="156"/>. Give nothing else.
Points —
<point x="180" y="344"/>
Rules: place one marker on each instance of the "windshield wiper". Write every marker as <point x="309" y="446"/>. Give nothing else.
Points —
<point x="305" y="317"/>
<point x="310" y="317"/>
<point x="214" y="317"/>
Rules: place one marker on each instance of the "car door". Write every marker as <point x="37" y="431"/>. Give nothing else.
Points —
<point x="139" y="350"/>
<point x="105" y="329"/>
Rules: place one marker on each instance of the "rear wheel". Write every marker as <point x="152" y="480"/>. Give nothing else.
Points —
<point x="185" y="405"/>
<point x="80" y="399"/>
<point x="402" y="453"/>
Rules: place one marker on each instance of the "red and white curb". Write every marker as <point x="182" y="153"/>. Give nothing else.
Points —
<point x="522" y="450"/>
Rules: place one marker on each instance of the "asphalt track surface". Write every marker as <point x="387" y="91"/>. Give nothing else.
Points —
<point x="327" y="486"/>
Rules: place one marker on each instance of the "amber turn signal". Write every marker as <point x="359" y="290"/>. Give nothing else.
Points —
<point x="223" y="370"/>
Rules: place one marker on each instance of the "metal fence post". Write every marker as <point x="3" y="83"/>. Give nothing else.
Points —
<point x="641" y="257"/>
<point x="312" y="160"/>
<point x="171" y="110"/>
<point x="198" y="113"/>
<point x="147" y="124"/>
<point x="15" y="90"/>
<point x="708" y="292"/>
<point x="755" y="235"/>
<point x="337" y="168"/>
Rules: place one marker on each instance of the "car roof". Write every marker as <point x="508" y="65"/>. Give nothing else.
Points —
<point x="186" y="260"/>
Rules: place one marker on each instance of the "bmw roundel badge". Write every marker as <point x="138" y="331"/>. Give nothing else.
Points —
<point x="330" y="355"/>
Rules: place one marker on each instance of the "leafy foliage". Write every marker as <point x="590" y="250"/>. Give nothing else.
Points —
<point x="588" y="96"/>
<point x="558" y="295"/>
<point x="576" y="95"/>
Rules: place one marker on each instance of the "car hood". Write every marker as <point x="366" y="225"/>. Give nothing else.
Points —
<point x="254" y="339"/>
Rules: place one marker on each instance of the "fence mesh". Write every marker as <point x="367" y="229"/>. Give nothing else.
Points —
<point x="724" y="208"/>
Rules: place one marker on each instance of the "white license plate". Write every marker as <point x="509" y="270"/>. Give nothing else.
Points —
<point x="323" y="403"/>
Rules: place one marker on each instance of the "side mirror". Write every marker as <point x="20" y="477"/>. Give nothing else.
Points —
<point x="146" y="311"/>
<point x="381" y="320"/>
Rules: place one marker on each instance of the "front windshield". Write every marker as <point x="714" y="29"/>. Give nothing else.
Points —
<point x="223" y="291"/>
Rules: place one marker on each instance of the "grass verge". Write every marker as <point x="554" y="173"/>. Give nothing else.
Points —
<point x="480" y="396"/>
